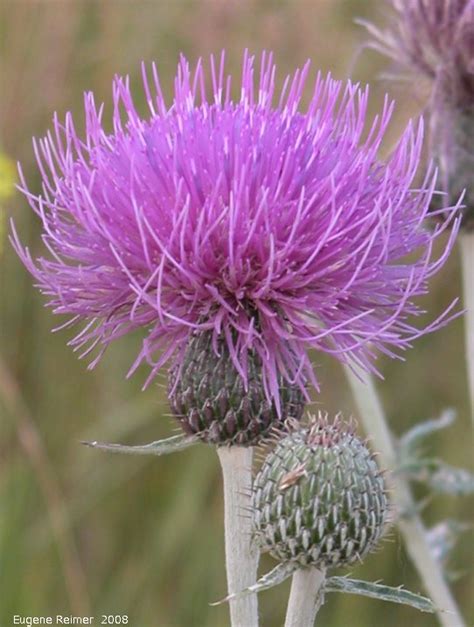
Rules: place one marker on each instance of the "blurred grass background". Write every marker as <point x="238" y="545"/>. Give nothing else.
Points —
<point x="86" y="533"/>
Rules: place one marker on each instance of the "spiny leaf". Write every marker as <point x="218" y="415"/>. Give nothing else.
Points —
<point x="452" y="480"/>
<point x="439" y="476"/>
<point x="269" y="580"/>
<point x="442" y="538"/>
<point x="160" y="447"/>
<point x="379" y="591"/>
<point x="410" y="440"/>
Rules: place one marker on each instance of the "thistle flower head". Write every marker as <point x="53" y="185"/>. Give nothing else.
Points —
<point x="434" y="38"/>
<point x="270" y="228"/>
<point x="319" y="498"/>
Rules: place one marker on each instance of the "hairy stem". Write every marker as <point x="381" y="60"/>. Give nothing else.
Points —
<point x="466" y="243"/>
<point x="305" y="597"/>
<point x="241" y="555"/>
<point x="411" y="526"/>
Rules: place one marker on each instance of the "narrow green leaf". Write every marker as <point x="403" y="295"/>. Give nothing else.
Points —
<point x="379" y="591"/>
<point x="269" y="580"/>
<point x="160" y="447"/>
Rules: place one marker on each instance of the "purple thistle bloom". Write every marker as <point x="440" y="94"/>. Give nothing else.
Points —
<point x="269" y="228"/>
<point x="434" y="39"/>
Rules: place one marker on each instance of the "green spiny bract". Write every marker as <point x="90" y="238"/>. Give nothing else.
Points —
<point x="208" y="396"/>
<point x="319" y="498"/>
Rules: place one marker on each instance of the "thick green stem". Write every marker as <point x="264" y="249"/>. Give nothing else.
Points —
<point x="241" y="555"/>
<point x="411" y="526"/>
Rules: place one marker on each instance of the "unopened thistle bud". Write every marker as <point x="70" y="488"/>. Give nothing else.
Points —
<point x="319" y="498"/>
<point x="210" y="398"/>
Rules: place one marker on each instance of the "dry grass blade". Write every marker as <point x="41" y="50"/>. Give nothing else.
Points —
<point x="30" y="441"/>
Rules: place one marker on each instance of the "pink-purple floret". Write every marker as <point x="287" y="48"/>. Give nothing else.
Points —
<point x="278" y="229"/>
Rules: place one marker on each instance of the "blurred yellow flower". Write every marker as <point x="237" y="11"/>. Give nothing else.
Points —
<point x="7" y="187"/>
<point x="7" y="176"/>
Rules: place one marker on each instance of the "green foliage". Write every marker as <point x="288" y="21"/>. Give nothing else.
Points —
<point x="174" y="444"/>
<point x="273" y="578"/>
<point x="436" y="474"/>
<point x="442" y="539"/>
<point x="345" y="585"/>
<point x="148" y="531"/>
<point x="379" y="591"/>
<point x="439" y="477"/>
<point x="410" y="442"/>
